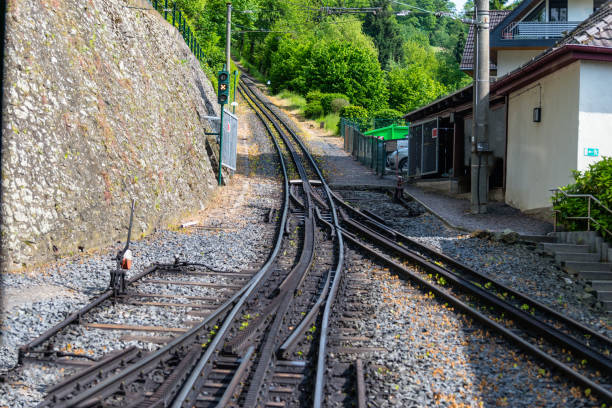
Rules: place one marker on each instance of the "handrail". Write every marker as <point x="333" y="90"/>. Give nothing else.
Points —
<point x="537" y="29"/>
<point x="588" y="217"/>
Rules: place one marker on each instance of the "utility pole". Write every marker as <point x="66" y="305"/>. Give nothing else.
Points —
<point x="480" y="117"/>
<point x="228" y="36"/>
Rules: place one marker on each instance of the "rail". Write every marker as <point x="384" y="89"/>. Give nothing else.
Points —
<point x="589" y="218"/>
<point x="524" y="30"/>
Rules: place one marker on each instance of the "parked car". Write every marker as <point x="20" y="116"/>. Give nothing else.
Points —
<point x="398" y="158"/>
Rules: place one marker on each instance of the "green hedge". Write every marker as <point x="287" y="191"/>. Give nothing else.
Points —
<point x="596" y="181"/>
<point x="313" y="110"/>
<point x="314" y="96"/>
<point x="357" y="114"/>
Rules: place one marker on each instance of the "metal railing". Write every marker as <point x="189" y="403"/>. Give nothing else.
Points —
<point x="176" y="17"/>
<point x="589" y="216"/>
<point x="524" y="30"/>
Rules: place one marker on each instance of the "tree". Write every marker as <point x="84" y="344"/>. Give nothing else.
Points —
<point x="412" y="87"/>
<point x="383" y="29"/>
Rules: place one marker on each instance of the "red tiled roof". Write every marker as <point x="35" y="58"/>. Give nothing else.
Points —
<point x="467" y="60"/>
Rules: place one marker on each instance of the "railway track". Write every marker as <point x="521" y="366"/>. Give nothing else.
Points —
<point x="262" y="338"/>
<point x="580" y="353"/>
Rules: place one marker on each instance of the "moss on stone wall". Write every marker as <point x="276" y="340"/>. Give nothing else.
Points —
<point x="97" y="111"/>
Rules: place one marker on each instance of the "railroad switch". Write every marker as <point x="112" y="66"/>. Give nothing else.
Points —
<point x="124" y="262"/>
<point x="399" y="189"/>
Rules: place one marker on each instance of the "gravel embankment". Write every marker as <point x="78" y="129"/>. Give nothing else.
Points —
<point x="517" y="265"/>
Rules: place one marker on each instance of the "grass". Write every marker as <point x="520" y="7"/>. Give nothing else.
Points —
<point x="331" y="122"/>
<point x="296" y="101"/>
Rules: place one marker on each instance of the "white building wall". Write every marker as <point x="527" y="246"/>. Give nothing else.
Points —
<point x="578" y="10"/>
<point x="509" y="60"/>
<point x="595" y="126"/>
<point x="541" y="155"/>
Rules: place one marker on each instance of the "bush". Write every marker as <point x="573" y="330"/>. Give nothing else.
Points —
<point x="357" y="114"/>
<point x="314" y="96"/>
<point x="387" y="117"/>
<point x="313" y="110"/>
<point x="327" y="99"/>
<point x="338" y="104"/>
<point x="388" y="114"/>
<point x="597" y="181"/>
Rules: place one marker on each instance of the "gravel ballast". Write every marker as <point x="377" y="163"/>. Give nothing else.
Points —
<point x="231" y="234"/>
<point x="518" y="265"/>
<point x="438" y="357"/>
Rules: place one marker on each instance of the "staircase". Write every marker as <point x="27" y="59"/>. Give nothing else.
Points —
<point x="587" y="255"/>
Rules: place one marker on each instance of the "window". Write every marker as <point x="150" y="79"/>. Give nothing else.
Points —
<point x="558" y="10"/>
<point x="538" y="13"/>
<point x="597" y="4"/>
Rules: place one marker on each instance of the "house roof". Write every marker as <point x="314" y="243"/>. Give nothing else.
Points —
<point x="467" y="59"/>
<point x="591" y="39"/>
<point x="595" y="30"/>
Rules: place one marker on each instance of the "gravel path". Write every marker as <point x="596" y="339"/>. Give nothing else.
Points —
<point x="231" y="235"/>
<point x="456" y="211"/>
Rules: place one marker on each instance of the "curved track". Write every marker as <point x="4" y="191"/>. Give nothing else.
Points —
<point x="266" y="344"/>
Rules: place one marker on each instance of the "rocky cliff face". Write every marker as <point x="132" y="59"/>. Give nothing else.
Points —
<point x="103" y="102"/>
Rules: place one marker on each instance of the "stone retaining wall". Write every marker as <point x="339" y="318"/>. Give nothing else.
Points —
<point x="103" y="101"/>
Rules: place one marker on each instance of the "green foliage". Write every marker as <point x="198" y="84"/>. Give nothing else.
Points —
<point x="338" y="104"/>
<point x="328" y="98"/>
<point x="315" y="95"/>
<point x="296" y="101"/>
<point x="596" y="181"/>
<point x="332" y="121"/>
<point x="387" y="117"/>
<point x="412" y="87"/>
<point x="313" y="110"/>
<point x="359" y="56"/>
<point x="387" y="114"/>
<point x="357" y="114"/>
<point x="384" y="30"/>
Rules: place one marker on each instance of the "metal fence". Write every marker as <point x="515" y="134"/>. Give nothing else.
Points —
<point x="176" y="17"/>
<point x="230" y="140"/>
<point x="368" y="150"/>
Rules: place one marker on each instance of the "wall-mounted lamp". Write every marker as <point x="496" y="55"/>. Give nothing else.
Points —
<point x="537" y="114"/>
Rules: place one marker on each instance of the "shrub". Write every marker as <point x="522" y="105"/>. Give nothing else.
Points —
<point x="314" y="96"/>
<point x="597" y="181"/>
<point x="357" y="114"/>
<point x="327" y="99"/>
<point x="313" y="110"/>
<point x="338" y="104"/>
<point x="387" y="117"/>
<point x="388" y="114"/>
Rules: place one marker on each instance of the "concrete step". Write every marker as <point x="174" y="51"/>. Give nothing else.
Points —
<point x="604" y="295"/>
<point x="602" y="285"/>
<point x="554" y="248"/>
<point x="607" y="305"/>
<point x="578" y="267"/>
<point x="577" y="256"/>
<point x="595" y="275"/>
